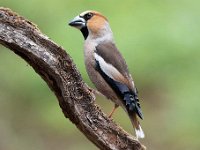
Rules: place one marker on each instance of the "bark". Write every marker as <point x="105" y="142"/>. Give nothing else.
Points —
<point x="57" y="69"/>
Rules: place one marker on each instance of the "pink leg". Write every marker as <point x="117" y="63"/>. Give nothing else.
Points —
<point x="113" y="110"/>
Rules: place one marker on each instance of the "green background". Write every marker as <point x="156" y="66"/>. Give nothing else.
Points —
<point x="160" y="41"/>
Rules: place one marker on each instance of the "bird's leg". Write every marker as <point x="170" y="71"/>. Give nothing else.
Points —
<point x="113" y="110"/>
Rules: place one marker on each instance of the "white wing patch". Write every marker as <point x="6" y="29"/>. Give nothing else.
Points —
<point x="107" y="68"/>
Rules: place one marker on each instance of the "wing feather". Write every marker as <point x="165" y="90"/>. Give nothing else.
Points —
<point x="109" y="69"/>
<point x="111" y="55"/>
<point x="109" y="73"/>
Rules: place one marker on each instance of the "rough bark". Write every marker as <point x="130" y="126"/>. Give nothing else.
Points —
<point x="57" y="69"/>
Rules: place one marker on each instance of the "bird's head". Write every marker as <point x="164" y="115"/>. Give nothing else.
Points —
<point x="91" y="23"/>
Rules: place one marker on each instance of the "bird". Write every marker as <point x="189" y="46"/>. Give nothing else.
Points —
<point x="106" y="66"/>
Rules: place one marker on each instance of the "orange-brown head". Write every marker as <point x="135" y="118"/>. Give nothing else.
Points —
<point x="90" y="22"/>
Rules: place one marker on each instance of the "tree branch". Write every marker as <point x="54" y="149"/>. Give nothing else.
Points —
<point x="56" y="67"/>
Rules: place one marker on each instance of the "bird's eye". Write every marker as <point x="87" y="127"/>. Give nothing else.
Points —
<point x="88" y="16"/>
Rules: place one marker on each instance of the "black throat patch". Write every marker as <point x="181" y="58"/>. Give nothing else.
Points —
<point x="85" y="32"/>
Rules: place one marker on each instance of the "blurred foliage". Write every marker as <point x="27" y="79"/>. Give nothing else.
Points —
<point x="160" y="41"/>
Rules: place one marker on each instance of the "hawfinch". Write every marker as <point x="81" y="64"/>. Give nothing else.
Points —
<point x="106" y="67"/>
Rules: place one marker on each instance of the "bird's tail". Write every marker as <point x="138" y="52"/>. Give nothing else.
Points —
<point x="133" y="109"/>
<point x="136" y="124"/>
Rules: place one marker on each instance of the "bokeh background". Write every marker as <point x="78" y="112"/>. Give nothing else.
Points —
<point x="160" y="41"/>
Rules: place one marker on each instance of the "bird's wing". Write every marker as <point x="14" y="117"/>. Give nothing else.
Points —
<point x="112" y="67"/>
<point x="112" y="62"/>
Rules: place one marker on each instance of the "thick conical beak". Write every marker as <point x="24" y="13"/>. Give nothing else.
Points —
<point x="78" y="22"/>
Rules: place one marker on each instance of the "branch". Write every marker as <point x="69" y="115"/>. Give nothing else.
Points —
<point x="56" y="67"/>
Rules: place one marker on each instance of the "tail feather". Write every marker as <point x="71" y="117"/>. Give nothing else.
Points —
<point x="134" y="111"/>
<point x="136" y="124"/>
<point x="139" y="132"/>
